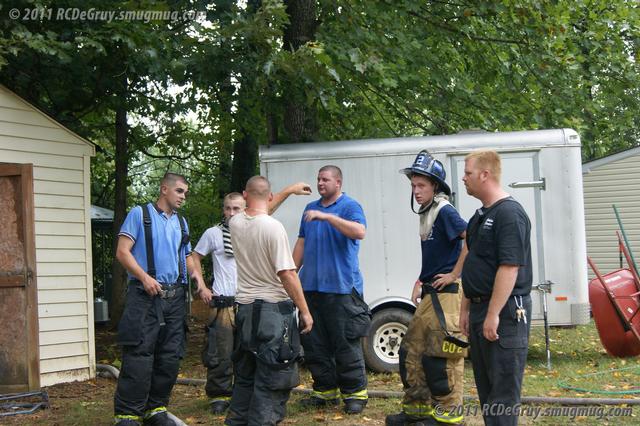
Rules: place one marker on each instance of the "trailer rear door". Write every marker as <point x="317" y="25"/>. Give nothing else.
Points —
<point x="520" y="170"/>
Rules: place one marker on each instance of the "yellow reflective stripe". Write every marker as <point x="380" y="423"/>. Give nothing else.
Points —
<point x="119" y="417"/>
<point x="363" y="394"/>
<point x="417" y="410"/>
<point x="330" y="394"/>
<point x="155" y="411"/>
<point x="447" y="418"/>
<point x="220" y="398"/>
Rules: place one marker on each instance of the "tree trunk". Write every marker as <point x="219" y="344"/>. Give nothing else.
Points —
<point x="271" y="120"/>
<point x="245" y="146"/>
<point x="224" y="10"/>
<point x="120" y="207"/>
<point x="300" y="115"/>
<point x="245" y="161"/>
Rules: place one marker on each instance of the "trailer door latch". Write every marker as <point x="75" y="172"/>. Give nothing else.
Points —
<point x="542" y="184"/>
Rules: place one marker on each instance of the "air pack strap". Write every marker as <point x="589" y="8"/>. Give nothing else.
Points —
<point x="437" y="307"/>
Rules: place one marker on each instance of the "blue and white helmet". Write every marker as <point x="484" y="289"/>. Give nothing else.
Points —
<point x="426" y="165"/>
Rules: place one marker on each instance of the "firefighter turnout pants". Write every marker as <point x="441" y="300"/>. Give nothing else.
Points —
<point x="265" y="363"/>
<point x="151" y="352"/>
<point x="432" y="368"/>
<point x="333" y="349"/>
<point x="218" y="348"/>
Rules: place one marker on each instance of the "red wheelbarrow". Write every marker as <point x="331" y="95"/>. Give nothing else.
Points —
<point x="615" y="303"/>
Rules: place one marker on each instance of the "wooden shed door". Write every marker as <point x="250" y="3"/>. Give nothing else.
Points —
<point x="19" y="364"/>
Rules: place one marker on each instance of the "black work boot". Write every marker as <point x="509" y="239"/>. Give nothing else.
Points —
<point x="354" y="406"/>
<point x="219" y="407"/>
<point x="429" y="422"/>
<point x="315" y="402"/>
<point x="127" y="422"/>
<point x="160" y="419"/>
<point x="403" y="419"/>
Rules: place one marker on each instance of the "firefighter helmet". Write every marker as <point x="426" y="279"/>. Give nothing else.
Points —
<point x="426" y="165"/>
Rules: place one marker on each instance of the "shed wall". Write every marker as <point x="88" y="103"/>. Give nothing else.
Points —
<point x="61" y="163"/>
<point x="617" y="182"/>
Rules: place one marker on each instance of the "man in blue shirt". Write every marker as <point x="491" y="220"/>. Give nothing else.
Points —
<point x="326" y="254"/>
<point x="431" y="364"/>
<point x="153" y="246"/>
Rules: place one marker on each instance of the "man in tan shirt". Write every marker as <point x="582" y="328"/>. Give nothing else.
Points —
<point x="267" y="345"/>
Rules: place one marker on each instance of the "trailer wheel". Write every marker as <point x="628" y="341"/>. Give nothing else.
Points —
<point x="382" y="346"/>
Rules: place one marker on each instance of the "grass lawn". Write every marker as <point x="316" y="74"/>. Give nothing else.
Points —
<point x="575" y="352"/>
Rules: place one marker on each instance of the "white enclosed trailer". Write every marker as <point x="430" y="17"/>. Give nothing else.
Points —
<point x="541" y="169"/>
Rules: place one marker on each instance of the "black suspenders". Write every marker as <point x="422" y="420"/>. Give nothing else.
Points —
<point x="148" y="239"/>
<point x="183" y="241"/>
<point x="151" y="264"/>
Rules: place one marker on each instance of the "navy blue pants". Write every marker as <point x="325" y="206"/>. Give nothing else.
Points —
<point x="151" y="353"/>
<point x="217" y="351"/>
<point x="265" y="363"/>
<point x="498" y="366"/>
<point x="333" y="349"/>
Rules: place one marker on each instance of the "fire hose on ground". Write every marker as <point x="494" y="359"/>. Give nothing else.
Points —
<point x="109" y="370"/>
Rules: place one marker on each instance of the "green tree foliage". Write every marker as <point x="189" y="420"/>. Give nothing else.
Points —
<point x="118" y="83"/>
<point x="377" y="69"/>
<point x="439" y="67"/>
<point x="200" y="96"/>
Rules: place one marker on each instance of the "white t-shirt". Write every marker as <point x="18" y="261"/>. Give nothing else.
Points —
<point x="261" y="249"/>
<point x="225" y="275"/>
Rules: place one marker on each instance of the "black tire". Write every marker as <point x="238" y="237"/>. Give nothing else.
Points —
<point x="381" y="348"/>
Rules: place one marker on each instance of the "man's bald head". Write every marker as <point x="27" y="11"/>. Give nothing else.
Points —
<point x="258" y="187"/>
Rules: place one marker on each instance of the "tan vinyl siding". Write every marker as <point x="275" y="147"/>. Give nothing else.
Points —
<point x="53" y="256"/>
<point x="26" y="132"/>
<point x="57" y="201"/>
<point x="61" y="161"/>
<point x="61" y="309"/>
<point x="616" y="182"/>
<point x="62" y="296"/>
<point x="50" y="241"/>
<point x="62" y="364"/>
<point x="58" y="188"/>
<point x="47" y="160"/>
<point x="24" y="116"/>
<point x="88" y="263"/>
<point x="57" y="175"/>
<point x="59" y="215"/>
<point x="63" y="323"/>
<point x="65" y="375"/>
<point x="64" y="336"/>
<point x="9" y="101"/>
<point x="53" y="282"/>
<point x="73" y="349"/>
<point x="40" y="146"/>
<point x="64" y="269"/>
<point x="55" y="228"/>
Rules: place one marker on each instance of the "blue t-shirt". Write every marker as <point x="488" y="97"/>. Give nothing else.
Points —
<point x="441" y="249"/>
<point x="330" y="260"/>
<point x="166" y="235"/>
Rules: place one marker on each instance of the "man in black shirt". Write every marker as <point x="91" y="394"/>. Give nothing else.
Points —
<point x="496" y="278"/>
